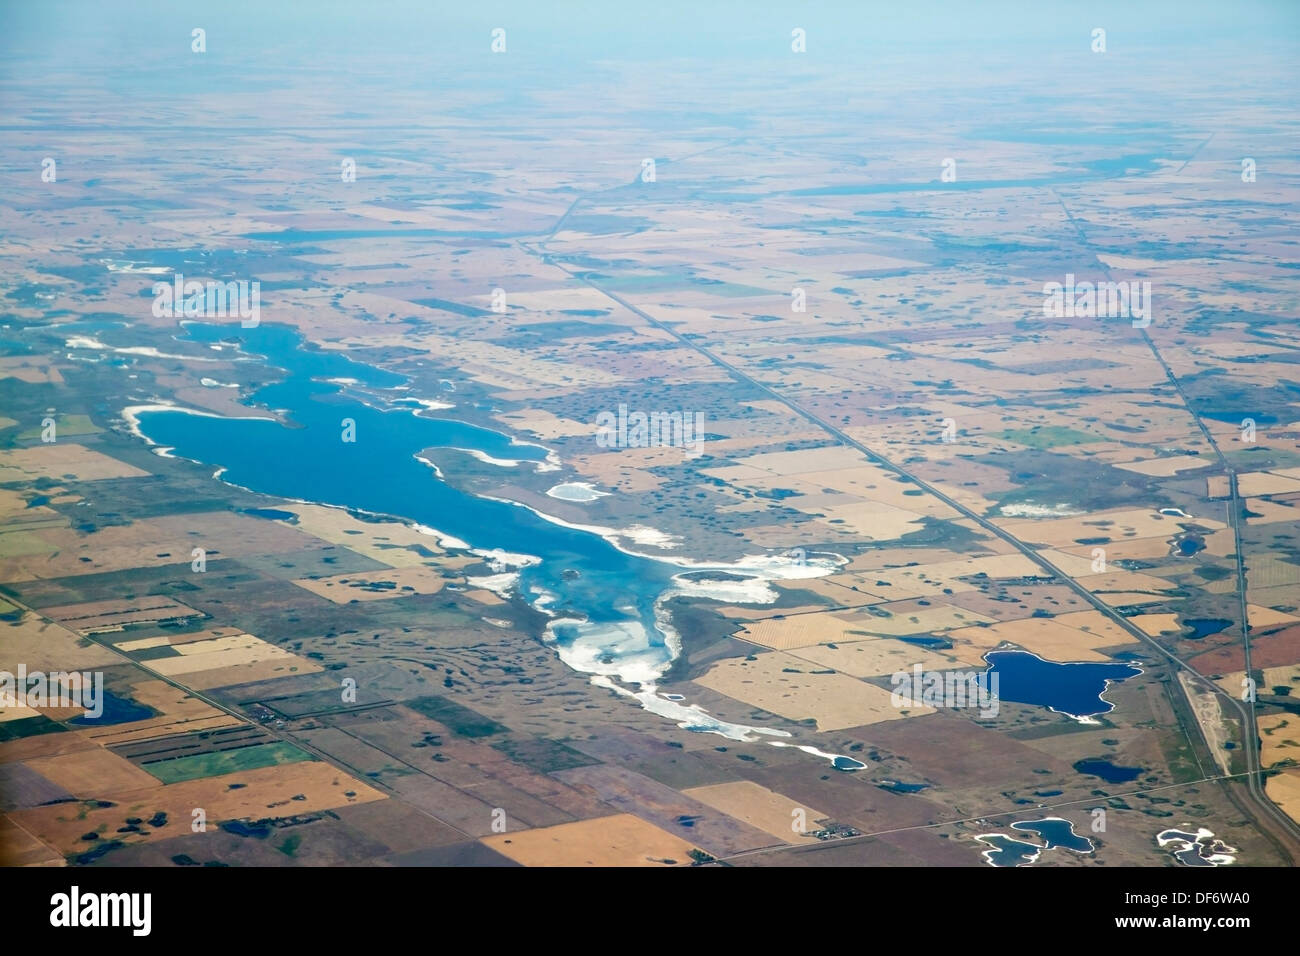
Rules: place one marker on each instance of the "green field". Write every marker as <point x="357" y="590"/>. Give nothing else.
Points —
<point x="64" y="426"/>
<point x="461" y="720"/>
<point x="1047" y="436"/>
<point x="226" y="761"/>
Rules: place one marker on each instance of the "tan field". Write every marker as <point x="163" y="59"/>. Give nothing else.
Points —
<point x="803" y="630"/>
<point x="220" y="652"/>
<point x="874" y="658"/>
<point x="1127" y="581"/>
<point x="1267" y="617"/>
<point x="142" y="644"/>
<point x="278" y="666"/>
<point x="57" y="459"/>
<point x="268" y="792"/>
<point x="1129" y="598"/>
<point x="1286" y="676"/>
<point x="1254" y="483"/>
<point x="1284" y="790"/>
<point x="1279" y="736"/>
<point x="760" y="807"/>
<point x="619" y="840"/>
<point x="114" y="615"/>
<point x="929" y="579"/>
<point x="813" y="459"/>
<point x="389" y="542"/>
<point x="345" y="588"/>
<point x="1072" y="564"/>
<point x="786" y="685"/>
<point x="1116" y="525"/>
<point x="17" y="712"/>
<point x="42" y="745"/>
<point x="1271" y="512"/>
<point x="545" y="425"/>
<point x="615" y="471"/>
<point x="741" y="613"/>
<point x="1163" y="467"/>
<point x="1126" y="549"/>
<point x="45" y="646"/>
<point x="157" y="727"/>
<point x="1052" y="639"/>
<point x="88" y="773"/>
<point x="178" y="712"/>
<point x="20" y="848"/>
<point x="110" y="548"/>
<point x="1157" y="624"/>
<point x="870" y="520"/>
<point x="1271" y="570"/>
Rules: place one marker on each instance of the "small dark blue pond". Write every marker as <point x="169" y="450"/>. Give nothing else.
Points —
<point x="1108" y="771"/>
<point x="1203" y="626"/>
<point x="117" y="710"/>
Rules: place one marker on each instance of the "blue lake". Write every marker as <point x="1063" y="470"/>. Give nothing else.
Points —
<point x="1111" y="773"/>
<point x="1073" y="689"/>
<point x="1056" y="832"/>
<point x="604" y="598"/>
<point x="308" y="460"/>
<point x="1203" y="626"/>
<point x="1008" y="852"/>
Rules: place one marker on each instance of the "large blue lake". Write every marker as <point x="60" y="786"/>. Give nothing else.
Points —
<point x="604" y="597"/>
<point x="1073" y="689"/>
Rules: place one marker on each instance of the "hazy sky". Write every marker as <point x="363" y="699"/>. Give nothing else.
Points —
<point x="600" y="29"/>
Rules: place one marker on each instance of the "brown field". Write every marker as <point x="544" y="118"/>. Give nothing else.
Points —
<point x="345" y="588"/>
<point x="388" y="542"/>
<point x="760" y="807"/>
<point x="1271" y="512"/>
<point x="1157" y="624"/>
<point x="45" y="646"/>
<point x="113" y="615"/>
<point x="268" y="792"/>
<point x="89" y="773"/>
<point x="874" y="658"/>
<point x="1049" y="638"/>
<point x="1116" y="525"/>
<point x="619" y="840"/>
<point x="277" y="666"/>
<point x="1272" y="650"/>
<point x="20" y="848"/>
<point x="1284" y="790"/>
<point x="1279" y="736"/>
<point x="1265" y="617"/>
<point x="62" y="459"/>
<point x="1252" y="484"/>
<point x="783" y="684"/>
<point x="222" y="652"/>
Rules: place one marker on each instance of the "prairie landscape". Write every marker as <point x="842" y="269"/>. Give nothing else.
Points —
<point x="629" y="406"/>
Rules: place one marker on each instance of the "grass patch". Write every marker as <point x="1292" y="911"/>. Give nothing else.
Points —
<point x="226" y="761"/>
<point x="460" y="720"/>
<point x="543" y="754"/>
<point x="1048" y="436"/>
<point x="64" y="426"/>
